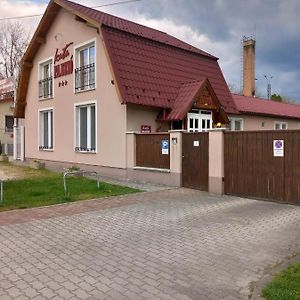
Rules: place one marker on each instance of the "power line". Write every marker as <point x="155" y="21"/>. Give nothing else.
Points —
<point x="39" y="15"/>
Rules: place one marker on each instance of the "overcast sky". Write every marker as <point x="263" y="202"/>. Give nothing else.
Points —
<point x="215" y="26"/>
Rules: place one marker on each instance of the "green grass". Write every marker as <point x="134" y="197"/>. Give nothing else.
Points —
<point x="47" y="189"/>
<point x="285" y="286"/>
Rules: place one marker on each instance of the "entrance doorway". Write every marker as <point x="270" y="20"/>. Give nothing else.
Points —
<point x="199" y="120"/>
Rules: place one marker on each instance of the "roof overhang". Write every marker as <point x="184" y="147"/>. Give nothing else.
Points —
<point x="189" y="95"/>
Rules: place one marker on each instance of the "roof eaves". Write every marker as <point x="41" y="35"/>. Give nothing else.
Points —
<point x="269" y="115"/>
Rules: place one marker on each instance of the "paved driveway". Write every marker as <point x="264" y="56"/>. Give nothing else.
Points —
<point x="173" y="244"/>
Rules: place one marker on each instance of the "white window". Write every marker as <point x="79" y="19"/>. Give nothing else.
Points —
<point x="46" y="129"/>
<point x="85" y="68"/>
<point x="236" y="124"/>
<point x="86" y="128"/>
<point x="9" y="123"/>
<point x="280" y="125"/>
<point x="199" y="120"/>
<point x="46" y="80"/>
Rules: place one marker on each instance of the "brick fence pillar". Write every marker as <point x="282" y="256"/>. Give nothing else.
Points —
<point x="130" y="149"/>
<point x="176" y="156"/>
<point x="216" y="161"/>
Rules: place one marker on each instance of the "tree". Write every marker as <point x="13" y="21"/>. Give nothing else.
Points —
<point x="276" y="97"/>
<point x="13" y="43"/>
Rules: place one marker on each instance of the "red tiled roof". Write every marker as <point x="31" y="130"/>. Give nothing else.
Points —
<point x="131" y="27"/>
<point x="184" y="99"/>
<point x="150" y="65"/>
<point x="150" y="73"/>
<point x="260" y="106"/>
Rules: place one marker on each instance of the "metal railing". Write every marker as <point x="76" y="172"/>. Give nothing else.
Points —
<point x="79" y="173"/>
<point x="85" y="78"/>
<point x="85" y="149"/>
<point x="46" y="88"/>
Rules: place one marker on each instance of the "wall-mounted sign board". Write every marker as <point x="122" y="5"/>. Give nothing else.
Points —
<point x="278" y="148"/>
<point x="165" y="147"/>
<point x="145" y="128"/>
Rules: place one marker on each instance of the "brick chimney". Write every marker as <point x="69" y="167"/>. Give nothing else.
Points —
<point x="248" y="66"/>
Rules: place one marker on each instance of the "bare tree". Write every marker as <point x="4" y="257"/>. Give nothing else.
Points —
<point x="13" y="42"/>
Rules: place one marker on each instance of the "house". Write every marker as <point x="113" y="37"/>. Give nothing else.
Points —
<point x="6" y="115"/>
<point x="262" y="114"/>
<point x="88" y="78"/>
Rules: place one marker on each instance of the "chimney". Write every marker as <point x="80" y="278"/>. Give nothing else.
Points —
<point x="248" y="66"/>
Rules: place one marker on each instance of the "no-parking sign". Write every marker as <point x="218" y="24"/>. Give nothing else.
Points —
<point x="278" y="148"/>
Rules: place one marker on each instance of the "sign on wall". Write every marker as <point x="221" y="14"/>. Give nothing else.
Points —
<point x="165" y="147"/>
<point x="278" y="148"/>
<point x="63" y="68"/>
<point x="145" y="128"/>
<point x="7" y="85"/>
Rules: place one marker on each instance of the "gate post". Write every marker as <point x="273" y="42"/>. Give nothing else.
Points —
<point x="176" y="155"/>
<point x="130" y="149"/>
<point x="216" y="161"/>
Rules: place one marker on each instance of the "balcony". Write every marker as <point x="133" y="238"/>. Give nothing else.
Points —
<point x="46" y="88"/>
<point x="85" y="78"/>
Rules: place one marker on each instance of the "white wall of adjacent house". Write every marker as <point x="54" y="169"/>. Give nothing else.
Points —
<point x="254" y="122"/>
<point x="78" y="117"/>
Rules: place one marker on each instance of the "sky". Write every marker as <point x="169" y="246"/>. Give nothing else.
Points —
<point x="215" y="26"/>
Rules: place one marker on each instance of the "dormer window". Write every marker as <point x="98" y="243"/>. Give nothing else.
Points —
<point x="45" y="80"/>
<point x="85" y="68"/>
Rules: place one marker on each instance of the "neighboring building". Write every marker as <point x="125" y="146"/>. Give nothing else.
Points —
<point x="87" y="78"/>
<point x="6" y="115"/>
<point x="262" y="114"/>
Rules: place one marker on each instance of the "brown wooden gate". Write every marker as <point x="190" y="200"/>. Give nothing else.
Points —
<point x="252" y="170"/>
<point x="195" y="160"/>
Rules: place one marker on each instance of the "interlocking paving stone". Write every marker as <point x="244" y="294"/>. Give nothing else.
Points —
<point x="171" y="244"/>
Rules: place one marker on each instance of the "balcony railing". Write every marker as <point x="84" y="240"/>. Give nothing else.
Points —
<point x="85" y="78"/>
<point x="85" y="149"/>
<point x="45" y="147"/>
<point x="46" y="88"/>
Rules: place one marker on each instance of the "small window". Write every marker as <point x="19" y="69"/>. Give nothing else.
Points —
<point x="46" y="130"/>
<point x="280" y="125"/>
<point x="9" y="123"/>
<point x="85" y="68"/>
<point x="86" y="128"/>
<point x="45" y="80"/>
<point x="262" y="124"/>
<point x="236" y="124"/>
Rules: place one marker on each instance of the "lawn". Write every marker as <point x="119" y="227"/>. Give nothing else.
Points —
<point x="285" y="286"/>
<point x="33" y="188"/>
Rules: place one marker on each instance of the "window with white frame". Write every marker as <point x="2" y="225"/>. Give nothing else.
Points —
<point x="199" y="120"/>
<point x="45" y="80"/>
<point x="280" y="125"/>
<point x="9" y="123"/>
<point x="86" y="128"/>
<point x="85" y="68"/>
<point x="236" y="124"/>
<point x="46" y="129"/>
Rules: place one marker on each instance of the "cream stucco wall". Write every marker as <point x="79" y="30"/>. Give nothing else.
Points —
<point x="139" y="115"/>
<point x="254" y="122"/>
<point x="110" y="114"/>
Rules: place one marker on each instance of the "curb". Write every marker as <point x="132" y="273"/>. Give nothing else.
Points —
<point x="270" y="273"/>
